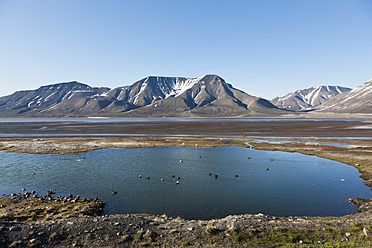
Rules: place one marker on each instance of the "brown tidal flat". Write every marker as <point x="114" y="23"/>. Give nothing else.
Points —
<point x="283" y="128"/>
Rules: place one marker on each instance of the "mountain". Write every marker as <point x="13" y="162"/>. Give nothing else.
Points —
<point x="308" y="99"/>
<point x="358" y="100"/>
<point x="64" y="97"/>
<point x="208" y="96"/>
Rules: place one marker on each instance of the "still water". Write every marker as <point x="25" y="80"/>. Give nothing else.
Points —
<point x="294" y="184"/>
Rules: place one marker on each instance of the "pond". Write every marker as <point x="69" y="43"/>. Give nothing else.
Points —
<point x="247" y="181"/>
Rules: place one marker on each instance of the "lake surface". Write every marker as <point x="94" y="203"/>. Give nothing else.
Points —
<point x="295" y="184"/>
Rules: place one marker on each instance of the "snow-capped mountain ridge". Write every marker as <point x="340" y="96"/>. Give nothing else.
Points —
<point x="208" y="95"/>
<point x="358" y="100"/>
<point x="308" y="99"/>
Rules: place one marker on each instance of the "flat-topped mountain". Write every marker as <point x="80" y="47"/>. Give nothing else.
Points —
<point x="208" y="96"/>
<point x="308" y="99"/>
<point x="358" y="100"/>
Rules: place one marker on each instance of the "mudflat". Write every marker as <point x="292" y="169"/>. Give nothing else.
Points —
<point x="238" y="127"/>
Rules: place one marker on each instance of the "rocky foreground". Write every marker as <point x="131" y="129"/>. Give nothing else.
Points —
<point x="27" y="221"/>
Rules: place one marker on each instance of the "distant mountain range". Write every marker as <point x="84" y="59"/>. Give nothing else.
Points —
<point x="206" y="96"/>
<point x="308" y="99"/>
<point x="358" y="100"/>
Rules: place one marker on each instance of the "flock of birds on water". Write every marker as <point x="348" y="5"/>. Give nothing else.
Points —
<point x="162" y="179"/>
<point x="178" y="178"/>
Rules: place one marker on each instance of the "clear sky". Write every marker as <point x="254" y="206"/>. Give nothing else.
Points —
<point x="265" y="47"/>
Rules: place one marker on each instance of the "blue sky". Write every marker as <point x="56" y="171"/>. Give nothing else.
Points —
<point x="265" y="47"/>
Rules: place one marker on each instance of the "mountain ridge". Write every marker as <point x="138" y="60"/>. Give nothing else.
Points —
<point x="208" y="95"/>
<point x="309" y="98"/>
<point x="358" y="100"/>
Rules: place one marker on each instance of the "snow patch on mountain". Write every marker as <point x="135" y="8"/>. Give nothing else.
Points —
<point x="308" y="99"/>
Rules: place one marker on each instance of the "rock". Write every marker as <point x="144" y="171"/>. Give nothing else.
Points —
<point x="14" y="228"/>
<point x="149" y="234"/>
<point x="17" y="243"/>
<point x="366" y="231"/>
<point x="23" y="189"/>
<point x="364" y="205"/>
<point x="178" y="178"/>
<point x="33" y="241"/>
<point x="347" y="234"/>
<point x="215" y="176"/>
<point x="114" y="193"/>
<point x="236" y="176"/>
<point x="211" y="230"/>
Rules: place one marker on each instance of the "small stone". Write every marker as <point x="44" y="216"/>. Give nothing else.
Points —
<point x="114" y="192"/>
<point x="70" y="223"/>
<point x="215" y="176"/>
<point x="117" y="223"/>
<point x="149" y="234"/>
<point x="23" y="189"/>
<point x="13" y="228"/>
<point x="236" y="176"/>
<point x="347" y="234"/>
<point x="32" y="241"/>
<point x="190" y="229"/>
<point x="366" y="231"/>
